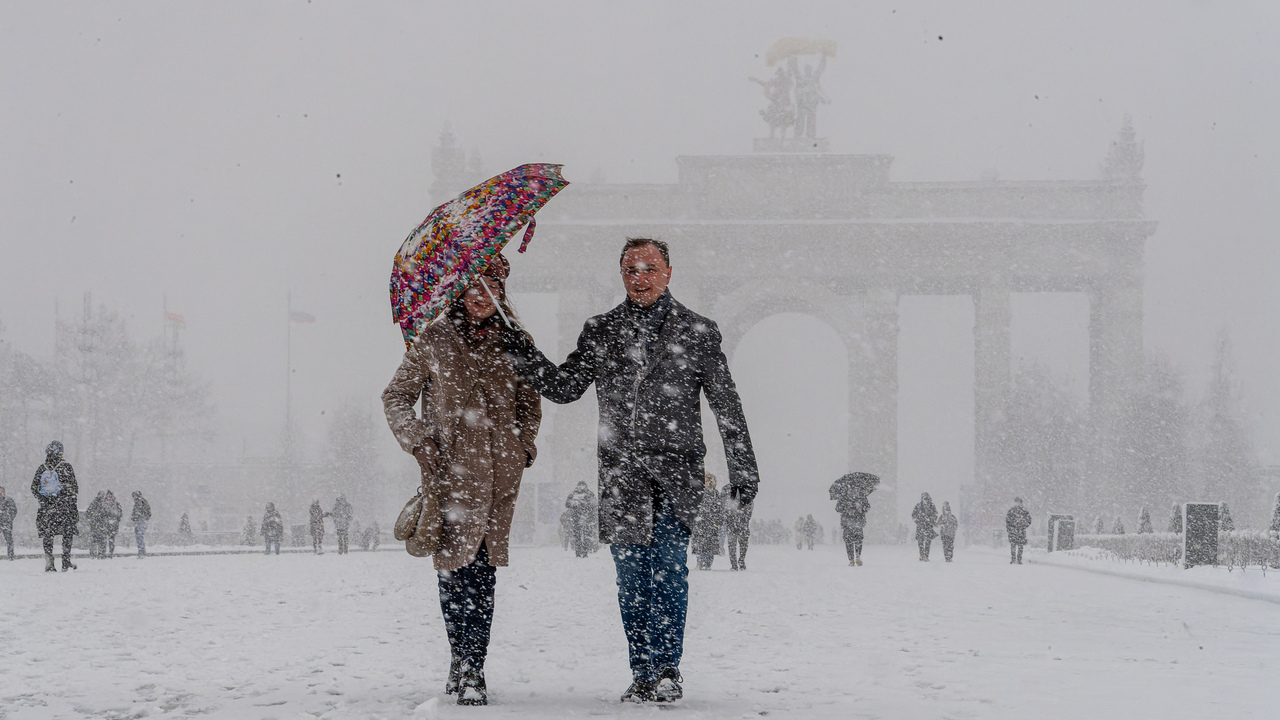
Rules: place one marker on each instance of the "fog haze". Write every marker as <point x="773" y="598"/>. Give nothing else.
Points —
<point x="220" y="158"/>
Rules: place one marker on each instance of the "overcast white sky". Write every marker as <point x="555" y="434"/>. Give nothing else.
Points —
<point x="193" y="151"/>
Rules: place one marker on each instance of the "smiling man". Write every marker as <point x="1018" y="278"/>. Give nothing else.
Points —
<point x="650" y="359"/>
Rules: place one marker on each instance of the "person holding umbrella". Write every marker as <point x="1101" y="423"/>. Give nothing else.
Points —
<point x="852" y="503"/>
<point x="651" y="359"/>
<point x="473" y="441"/>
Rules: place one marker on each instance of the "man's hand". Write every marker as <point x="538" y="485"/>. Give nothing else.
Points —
<point x="743" y="494"/>
<point x="517" y="342"/>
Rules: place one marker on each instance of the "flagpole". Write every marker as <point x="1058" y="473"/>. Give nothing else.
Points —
<point x="288" y="367"/>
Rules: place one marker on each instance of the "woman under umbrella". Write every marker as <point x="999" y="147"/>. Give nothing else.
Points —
<point x="473" y="443"/>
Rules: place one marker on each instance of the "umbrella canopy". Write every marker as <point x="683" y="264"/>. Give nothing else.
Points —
<point x="443" y="255"/>
<point x="863" y="483"/>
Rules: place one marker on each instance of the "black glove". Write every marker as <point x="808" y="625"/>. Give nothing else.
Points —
<point x="743" y="494"/>
<point x="517" y="343"/>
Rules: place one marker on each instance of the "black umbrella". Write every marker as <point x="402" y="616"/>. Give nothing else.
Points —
<point x="860" y="482"/>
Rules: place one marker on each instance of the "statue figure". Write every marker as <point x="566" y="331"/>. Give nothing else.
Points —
<point x="808" y="95"/>
<point x="780" y="114"/>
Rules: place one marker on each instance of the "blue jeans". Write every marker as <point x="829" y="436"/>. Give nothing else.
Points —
<point x="653" y="595"/>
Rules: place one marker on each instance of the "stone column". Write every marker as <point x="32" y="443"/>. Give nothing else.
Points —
<point x="992" y="383"/>
<point x="873" y="406"/>
<point x="1115" y="364"/>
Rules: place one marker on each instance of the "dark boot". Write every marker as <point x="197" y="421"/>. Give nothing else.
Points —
<point x="668" y="688"/>
<point x="639" y="691"/>
<point x="455" y="669"/>
<point x="471" y="687"/>
<point x="48" y="563"/>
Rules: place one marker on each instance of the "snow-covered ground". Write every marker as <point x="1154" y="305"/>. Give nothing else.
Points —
<point x="800" y="634"/>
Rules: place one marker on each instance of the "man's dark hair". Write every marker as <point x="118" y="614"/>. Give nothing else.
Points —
<point x="635" y="242"/>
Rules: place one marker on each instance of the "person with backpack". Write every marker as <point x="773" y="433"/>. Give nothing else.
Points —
<point x="55" y="487"/>
<point x="8" y="511"/>
<point x="140" y="516"/>
<point x="272" y="528"/>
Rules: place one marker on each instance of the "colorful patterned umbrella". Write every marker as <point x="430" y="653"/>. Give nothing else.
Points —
<point x="443" y="255"/>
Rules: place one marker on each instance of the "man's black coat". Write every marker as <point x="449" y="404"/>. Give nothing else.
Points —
<point x="650" y="432"/>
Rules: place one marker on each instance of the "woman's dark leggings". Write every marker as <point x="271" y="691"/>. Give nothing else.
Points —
<point x="466" y="602"/>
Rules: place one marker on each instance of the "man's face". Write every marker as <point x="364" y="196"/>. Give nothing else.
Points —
<point x="645" y="274"/>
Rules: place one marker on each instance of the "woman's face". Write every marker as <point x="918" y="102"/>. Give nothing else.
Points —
<point x="477" y="302"/>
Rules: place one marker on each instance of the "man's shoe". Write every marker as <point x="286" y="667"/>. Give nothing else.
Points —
<point x="668" y="688"/>
<point x="640" y="691"/>
<point x="471" y="687"/>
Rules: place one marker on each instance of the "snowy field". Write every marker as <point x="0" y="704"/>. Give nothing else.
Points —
<point x="800" y="634"/>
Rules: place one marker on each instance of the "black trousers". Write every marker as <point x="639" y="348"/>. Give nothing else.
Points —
<point x="852" y="544"/>
<point x="66" y="547"/>
<point x="924" y="547"/>
<point x="466" y="602"/>
<point x="738" y="550"/>
<point x="343" y="542"/>
<point x="1015" y="552"/>
<point x="8" y="540"/>
<point x="948" y="546"/>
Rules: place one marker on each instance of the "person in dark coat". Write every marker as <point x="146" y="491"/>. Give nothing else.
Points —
<point x="1016" y="522"/>
<point x="651" y="359"/>
<point x="737" y="523"/>
<point x="8" y="511"/>
<point x="112" y="514"/>
<point x="925" y="516"/>
<point x="97" y="527"/>
<point x="706" y="531"/>
<point x="272" y="528"/>
<point x="853" y="504"/>
<point x="341" y="514"/>
<point x="317" y="527"/>
<point x="583" y="509"/>
<point x="56" y="489"/>
<point x="811" y="530"/>
<point x="947" y="524"/>
<point x="140" y="516"/>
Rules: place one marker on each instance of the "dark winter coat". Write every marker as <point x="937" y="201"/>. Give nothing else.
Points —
<point x="649" y="442"/>
<point x="317" y="520"/>
<point x="925" y="516"/>
<point x="737" y="514"/>
<point x="8" y="511"/>
<point x="947" y="525"/>
<point x="97" y="516"/>
<point x="342" y="513"/>
<point x="112" y="514"/>
<point x="141" y="510"/>
<point x="853" y="505"/>
<point x="1016" y="522"/>
<point x="58" y="514"/>
<point x="581" y="505"/>
<point x="706" y="530"/>
<point x="272" y="525"/>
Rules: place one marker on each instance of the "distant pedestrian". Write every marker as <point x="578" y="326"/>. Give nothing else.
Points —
<point x="272" y="528"/>
<point x="925" y="516"/>
<point x="112" y="513"/>
<point x="1016" y="522"/>
<point x="706" y="526"/>
<point x="317" y="527"/>
<point x="341" y="514"/>
<point x="583" y="512"/>
<point x="947" y="524"/>
<point x="812" y="531"/>
<point x="8" y="510"/>
<point x="56" y="489"/>
<point x="140" y="516"/>
<point x="737" y="521"/>
<point x="852" y="503"/>
<point x="97" y="526"/>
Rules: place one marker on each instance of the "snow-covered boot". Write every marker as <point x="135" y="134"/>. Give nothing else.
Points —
<point x="668" y="688"/>
<point x="471" y="687"/>
<point x="48" y="563"/>
<point x="66" y="563"/>
<point x="640" y="690"/>
<point x="455" y="669"/>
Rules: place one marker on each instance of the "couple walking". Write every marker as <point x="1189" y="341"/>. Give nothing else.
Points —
<point x="650" y="358"/>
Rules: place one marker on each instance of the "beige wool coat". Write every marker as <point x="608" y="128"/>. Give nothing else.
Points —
<point x="477" y="428"/>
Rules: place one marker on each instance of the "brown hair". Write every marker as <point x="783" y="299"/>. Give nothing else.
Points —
<point x="635" y="242"/>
